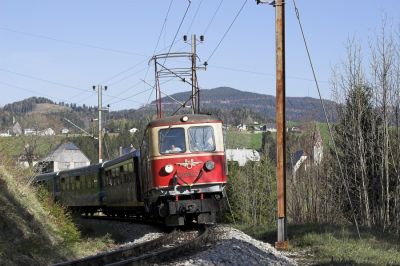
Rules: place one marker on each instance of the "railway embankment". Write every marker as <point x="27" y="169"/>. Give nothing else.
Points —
<point x="34" y="232"/>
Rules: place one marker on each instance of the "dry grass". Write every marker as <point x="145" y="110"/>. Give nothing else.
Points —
<point x="33" y="230"/>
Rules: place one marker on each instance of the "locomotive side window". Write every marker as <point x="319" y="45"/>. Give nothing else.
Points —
<point x="172" y="140"/>
<point x="201" y="139"/>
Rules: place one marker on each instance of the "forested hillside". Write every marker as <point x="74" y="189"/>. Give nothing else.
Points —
<point x="226" y="99"/>
<point x="231" y="105"/>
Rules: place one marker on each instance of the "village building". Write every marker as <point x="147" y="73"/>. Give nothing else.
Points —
<point x="242" y="127"/>
<point x="5" y="134"/>
<point x="270" y="127"/>
<point x="30" y="131"/>
<point x="301" y="158"/>
<point x="133" y="130"/>
<point x="242" y="156"/>
<point x="46" y="132"/>
<point x="65" y="156"/>
<point x="17" y="129"/>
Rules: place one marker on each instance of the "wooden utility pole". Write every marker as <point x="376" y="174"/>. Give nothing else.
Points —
<point x="100" y="109"/>
<point x="282" y="242"/>
<point x="195" y="107"/>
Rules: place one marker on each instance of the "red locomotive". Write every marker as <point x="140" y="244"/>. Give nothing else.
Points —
<point x="183" y="169"/>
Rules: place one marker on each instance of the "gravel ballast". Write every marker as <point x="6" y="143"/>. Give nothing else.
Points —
<point x="233" y="247"/>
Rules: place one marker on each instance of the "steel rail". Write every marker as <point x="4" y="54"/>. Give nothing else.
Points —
<point x="166" y="253"/>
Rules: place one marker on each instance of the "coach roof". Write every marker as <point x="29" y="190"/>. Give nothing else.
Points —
<point x="179" y="119"/>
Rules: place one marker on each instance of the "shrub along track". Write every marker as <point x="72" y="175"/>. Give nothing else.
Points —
<point x="167" y="247"/>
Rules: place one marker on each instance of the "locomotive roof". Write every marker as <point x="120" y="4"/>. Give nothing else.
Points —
<point x="177" y="119"/>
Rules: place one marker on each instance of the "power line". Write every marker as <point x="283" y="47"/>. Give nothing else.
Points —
<point x="124" y="71"/>
<point x="42" y="79"/>
<point x="163" y="26"/>
<point x="180" y="25"/>
<point x="71" y="42"/>
<point x="136" y="94"/>
<point x="155" y="48"/>
<point x="173" y="41"/>
<point x="56" y="83"/>
<point x="262" y="73"/>
<point x="213" y="17"/>
<point x="226" y="32"/>
<point x="194" y="17"/>
<point x="327" y="119"/>
<point x="32" y="91"/>
<point x="126" y="77"/>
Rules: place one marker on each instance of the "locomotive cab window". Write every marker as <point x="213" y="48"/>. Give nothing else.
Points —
<point x="172" y="140"/>
<point x="201" y="138"/>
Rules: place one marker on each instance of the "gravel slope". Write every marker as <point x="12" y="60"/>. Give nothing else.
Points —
<point x="231" y="246"/>
<point x="234" y="247"/>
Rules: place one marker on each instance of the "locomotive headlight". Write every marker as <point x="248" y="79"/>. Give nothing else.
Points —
<point x="184" y="118"/>
<point x="209" y="165"/>
<point x="168" y="168"/>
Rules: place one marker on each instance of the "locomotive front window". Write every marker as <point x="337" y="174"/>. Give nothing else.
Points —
<point x="172" y="140"/>
<point x="201" y="139"/>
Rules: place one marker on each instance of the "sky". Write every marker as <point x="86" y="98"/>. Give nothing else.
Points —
<point x="61" y="49"/>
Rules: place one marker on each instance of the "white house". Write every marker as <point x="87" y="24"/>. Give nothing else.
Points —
<point x="242" y="156"/>
<point x="30" y="131"/>
<point x="242" y="127"/>
<point x="5" y="134"/>
<point x="133" y="130"/>
<point x="65" y="156"/>
<point x="47" y="132"/>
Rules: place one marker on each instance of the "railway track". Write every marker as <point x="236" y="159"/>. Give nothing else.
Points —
<point x="167" y="247"/>
<point x="128" y="219"/>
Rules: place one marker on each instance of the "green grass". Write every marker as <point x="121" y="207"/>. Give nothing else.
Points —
<point x="13" y="147"/>
<point x="236" y="139"/>
<point x="337" y="245"/>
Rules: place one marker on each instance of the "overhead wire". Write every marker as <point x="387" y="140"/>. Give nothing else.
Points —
<point x="194" y="17"/>
<point x="180" y="25"/>
<point x="173" y="42"/>
<point x="155" y="49"/>
<point x="327" y="119"/>
<point x="262" y="73"/>
<point x="213" y="17"/>
<point x="71" y="42"/>
<point x="226" y="32"/>
<point x="32" y="91"/>
<point x="53" y="82"/>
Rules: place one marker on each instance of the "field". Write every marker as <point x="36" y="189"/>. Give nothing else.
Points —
<point x="324" y="244"/>
<point x="14" y="146"/>
<point x="239" y="140"/>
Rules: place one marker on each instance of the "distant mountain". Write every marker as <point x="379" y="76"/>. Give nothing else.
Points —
<point x="226" y="98"/>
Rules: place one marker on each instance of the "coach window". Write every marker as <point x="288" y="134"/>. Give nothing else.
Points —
<point x="78" y="182"/>
<point x="130" y="167"/>
<point x="172" y="140"/>
<point x="62" y="183"/>
<point x="201" y="139"/>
